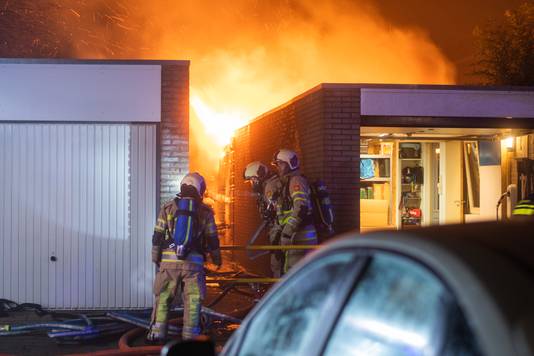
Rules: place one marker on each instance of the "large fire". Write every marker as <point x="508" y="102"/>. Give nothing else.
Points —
<point x="218" y="125"/>
<point x="247" y="56"/>
<point x="251" y="56"/>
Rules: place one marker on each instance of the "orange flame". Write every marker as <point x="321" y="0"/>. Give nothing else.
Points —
<point x="250" y="56"/>
<point x="220" y="126"/>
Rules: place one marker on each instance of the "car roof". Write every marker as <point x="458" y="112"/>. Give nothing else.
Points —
<point x="475" y="244"/>
<point x="489" y="267"/>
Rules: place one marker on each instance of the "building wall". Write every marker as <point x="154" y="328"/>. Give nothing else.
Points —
<point x="174" y="129"/>
<point x="121" y="166"/>
<point x="322" y="126"/>
<point x="342" y="153"/>
<point x="80" y="91"/>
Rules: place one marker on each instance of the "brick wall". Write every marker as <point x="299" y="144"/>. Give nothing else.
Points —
<point x="174" y="128"/>
<point x="342" y="153"/>
<point x="322" y="126"/>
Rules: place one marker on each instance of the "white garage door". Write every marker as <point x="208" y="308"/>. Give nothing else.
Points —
<point x="77" y="208"/>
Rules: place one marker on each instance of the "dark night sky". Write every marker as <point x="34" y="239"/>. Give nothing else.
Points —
<point x="449" y="24"/>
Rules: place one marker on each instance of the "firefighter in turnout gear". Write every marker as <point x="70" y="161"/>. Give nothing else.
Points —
<point x="293" y="208"/>
<point x="184" y="233"/>
<point x="524" y="209"/>
<point x="267" y="186"/>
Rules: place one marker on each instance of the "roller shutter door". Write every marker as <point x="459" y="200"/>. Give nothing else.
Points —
<point x="77" y="208"/>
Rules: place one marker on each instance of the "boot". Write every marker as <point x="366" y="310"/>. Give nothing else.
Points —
<point x="157" y="333"/>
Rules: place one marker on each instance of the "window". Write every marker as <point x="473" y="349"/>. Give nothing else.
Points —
<point x="288" y="322"/>
<point x="398" y="308"/>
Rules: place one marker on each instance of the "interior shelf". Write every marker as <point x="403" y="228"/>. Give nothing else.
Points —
<point x="376" y="179"/>
<point x="374" y="156"/>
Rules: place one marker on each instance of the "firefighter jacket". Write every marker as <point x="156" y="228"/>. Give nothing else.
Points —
<point x="163" y="249"/>
<point x="294" y="210"/>
<point x="524" y="208"/>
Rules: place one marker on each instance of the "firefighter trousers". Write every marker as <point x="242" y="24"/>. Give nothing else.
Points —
<point x="167" y="285"/>
<point x="304" y="236"/>
<point x="277" y="263"/>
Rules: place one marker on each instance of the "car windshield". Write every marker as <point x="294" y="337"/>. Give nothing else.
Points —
<point x="286" y="324"/>
<point x="399" y="307"/>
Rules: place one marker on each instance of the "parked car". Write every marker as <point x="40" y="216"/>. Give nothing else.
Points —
<point x="447" y="290"/>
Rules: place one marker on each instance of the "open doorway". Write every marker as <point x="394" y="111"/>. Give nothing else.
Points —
<point x="434" y="183"/>
<point x="433" y="176"/>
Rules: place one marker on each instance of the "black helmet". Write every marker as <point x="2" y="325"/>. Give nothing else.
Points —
<point x="193" y="185"/>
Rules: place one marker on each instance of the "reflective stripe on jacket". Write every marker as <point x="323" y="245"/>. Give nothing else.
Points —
<point x="164" y="231"/>
<point x="524" y="207"/>
<point x="294" y="205"/>
<point x="294" y="210"/>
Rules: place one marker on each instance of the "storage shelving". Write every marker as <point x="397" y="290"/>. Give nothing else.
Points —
<point x="376" y="188"/>
<point x="410" y="181"/>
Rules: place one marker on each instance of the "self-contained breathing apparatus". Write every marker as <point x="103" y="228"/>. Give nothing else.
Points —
<point x="186" y="237"/>
<point x="323" y="212"/>
<point x="186" y="227"/>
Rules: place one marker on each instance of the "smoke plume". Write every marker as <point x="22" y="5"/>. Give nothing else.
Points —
<point x="247" y="56"/>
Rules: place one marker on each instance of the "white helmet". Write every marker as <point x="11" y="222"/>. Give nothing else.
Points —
<point x="256" y="170"/>
<point x="287" y="156"/>
<point x="193" y="180"/>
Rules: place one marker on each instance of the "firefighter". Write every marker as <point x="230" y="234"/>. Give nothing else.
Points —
<point x="266" y="184"/>
<point x="524" y="209"/>
<point x="181" y="266"/>
<point x="294" y="207"/>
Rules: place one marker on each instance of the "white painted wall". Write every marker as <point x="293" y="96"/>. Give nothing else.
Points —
<point x="447" y="103"/>
<point x="80" y="92"/>
<point x="490" y="191"/>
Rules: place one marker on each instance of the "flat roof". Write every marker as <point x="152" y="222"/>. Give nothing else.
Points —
<point x="93" y="61"/>
<point x="423" y="86"/>
<point x="429" y="87"/>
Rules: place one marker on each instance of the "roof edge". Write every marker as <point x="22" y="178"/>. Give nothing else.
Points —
<point x="94" y="61"/>
<point x="388" y="86"/>
<point x="286" y="104"/>
<point x="426" y="86"/>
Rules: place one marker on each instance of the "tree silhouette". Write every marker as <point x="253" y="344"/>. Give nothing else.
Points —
<point x="506" y="48"/>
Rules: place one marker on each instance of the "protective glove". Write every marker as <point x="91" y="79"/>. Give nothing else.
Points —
<point x="289" y="231"/>
<point x="156" y="254"/>
<point x="286" y="240"/>
<point x="216" y="258"/>
<point x="157" y="333"/>
<point x="274" y="234"/>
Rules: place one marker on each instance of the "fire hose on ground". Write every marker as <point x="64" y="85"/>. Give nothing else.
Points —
<point x="267" y="248"/>
<point x="81" y="327"/>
